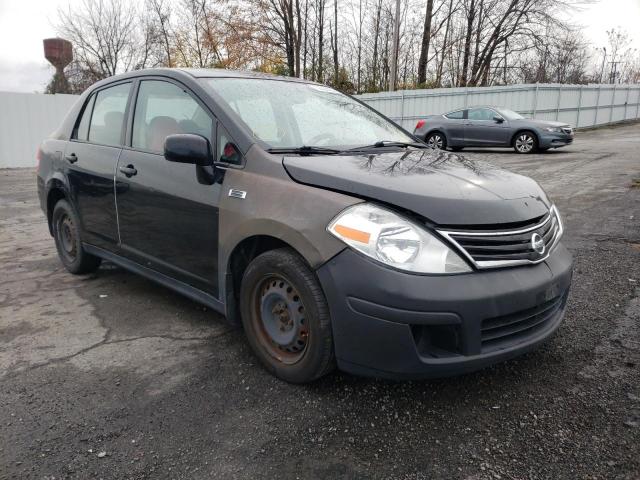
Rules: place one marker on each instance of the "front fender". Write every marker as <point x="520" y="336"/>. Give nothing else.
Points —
<point x="278" y="207"/>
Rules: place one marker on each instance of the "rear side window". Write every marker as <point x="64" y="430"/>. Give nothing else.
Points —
<point x="108" y="115"/>
<point x="455" y="115"/>
<point x="82" y="132"/>
<point x="164" y="109"/>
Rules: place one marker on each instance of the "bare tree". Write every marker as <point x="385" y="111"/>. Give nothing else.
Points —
<point x="106" y="36"/>
<point x="426" y="39"/>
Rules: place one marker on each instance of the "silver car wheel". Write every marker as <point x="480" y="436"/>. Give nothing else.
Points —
<point x="524" y="143"/>
<point x="435" y="141"/>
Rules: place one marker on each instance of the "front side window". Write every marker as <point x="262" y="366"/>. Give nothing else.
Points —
<point x="481" y="114"/>
<point x="510" y="114"/>
<point x="290" y="114"/>
<point x="164" y="109"/>
<point x="227" y="150"/>
<point x="108" y="115"/>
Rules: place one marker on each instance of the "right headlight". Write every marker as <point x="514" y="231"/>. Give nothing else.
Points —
<point x="395" y="241"/>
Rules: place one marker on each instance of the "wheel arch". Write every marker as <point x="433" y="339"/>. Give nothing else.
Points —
<point x="523" y="130"/>
<point x="56" y="191"/>
<point x="442" y="132"/>
<point x="439" y="130"/>
<point x="239" y="258"/>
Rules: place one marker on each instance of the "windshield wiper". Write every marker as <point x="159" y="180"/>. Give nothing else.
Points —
<point x="306" y="150"/>
<point x="389" y="143"/>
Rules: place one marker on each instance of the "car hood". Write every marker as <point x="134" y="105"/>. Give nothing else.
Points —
<point x="540" y="123"/>
<point x="442" y="187"/>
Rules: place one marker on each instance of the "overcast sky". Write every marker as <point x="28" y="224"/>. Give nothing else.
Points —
<point x="24" y="23"/>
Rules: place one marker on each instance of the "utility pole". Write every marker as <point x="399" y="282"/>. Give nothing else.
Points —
<point x="614" y="71"/>
<point x="394" y="50"/>
<point x="604" y="61"/>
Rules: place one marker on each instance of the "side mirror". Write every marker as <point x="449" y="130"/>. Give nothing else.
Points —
<point x="188" y="148"/>
<point x="498" y="119"/>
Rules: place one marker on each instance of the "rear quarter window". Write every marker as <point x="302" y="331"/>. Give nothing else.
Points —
<point x="82" y="130"/>
<point x="459" y="115"/>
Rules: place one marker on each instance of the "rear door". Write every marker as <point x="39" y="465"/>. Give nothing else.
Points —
<point x="91" y="157"/>
<point x="481" y="129"/>
<point x="168" y="212"/>
<point x="454" y="124"/>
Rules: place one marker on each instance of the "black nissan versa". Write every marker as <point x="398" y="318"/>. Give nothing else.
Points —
<point x="326" y="230"/>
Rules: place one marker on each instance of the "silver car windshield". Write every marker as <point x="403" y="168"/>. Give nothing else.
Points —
<point x="291" y="115"/>
<point x="509" y="114"/>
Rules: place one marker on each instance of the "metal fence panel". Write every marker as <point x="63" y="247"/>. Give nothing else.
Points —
<point x="25" y="120"/>
<point x="578" y="105"/>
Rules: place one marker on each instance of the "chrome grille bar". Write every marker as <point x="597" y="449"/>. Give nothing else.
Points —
<point x="503" y="248"/>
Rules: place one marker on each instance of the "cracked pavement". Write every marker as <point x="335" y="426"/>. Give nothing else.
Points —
<point x="111" y="376"/>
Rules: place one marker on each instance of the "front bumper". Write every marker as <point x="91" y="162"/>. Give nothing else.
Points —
<point x="396" y="325"/>
<point x="554" y="140"/>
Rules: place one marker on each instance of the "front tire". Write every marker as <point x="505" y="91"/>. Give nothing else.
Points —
<point x="525" y="142"/>
<point x="66" y="233"/>
<point x="286" y="318"/>
<point x="436" y="140"/>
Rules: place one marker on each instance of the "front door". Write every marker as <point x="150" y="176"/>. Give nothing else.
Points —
<point x="91" y="157"/>
<point x="482" y="129"/>
<point x="168" y="215"/>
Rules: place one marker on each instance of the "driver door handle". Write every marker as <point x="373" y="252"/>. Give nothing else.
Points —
<point x="71" y="158"/>
<point x="128" y="171"/>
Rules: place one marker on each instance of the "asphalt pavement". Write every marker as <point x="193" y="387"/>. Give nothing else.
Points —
<point x="112" y="376"/>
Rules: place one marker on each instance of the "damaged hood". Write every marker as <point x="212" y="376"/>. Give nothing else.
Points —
<point x="444" y="188"/>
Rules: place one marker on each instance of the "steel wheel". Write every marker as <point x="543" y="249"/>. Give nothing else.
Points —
<point x="280" y="323"/>
<point x="525" y="143"/>
<point x="437" y="141"/>
<point x="286" y="317"/>
<point x="66" y="233"/>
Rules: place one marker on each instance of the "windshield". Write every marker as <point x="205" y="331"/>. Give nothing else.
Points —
<point x="291" y="115"/>
<point x="509" y="114"/>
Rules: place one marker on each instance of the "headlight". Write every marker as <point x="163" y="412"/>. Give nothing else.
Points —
<point x="395" y="241"/>
<point x="554" y="129"/>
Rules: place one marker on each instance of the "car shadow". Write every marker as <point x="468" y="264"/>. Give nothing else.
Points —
<point x="555" y="151"/>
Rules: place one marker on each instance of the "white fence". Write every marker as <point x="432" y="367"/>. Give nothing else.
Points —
<point x="578" y="105"/>
<point x="25" y="120"/>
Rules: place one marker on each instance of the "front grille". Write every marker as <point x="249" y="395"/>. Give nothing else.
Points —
<point x="499" y="248"/>
<point x="507" y="330"/>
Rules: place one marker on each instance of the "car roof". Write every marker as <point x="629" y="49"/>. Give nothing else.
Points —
<point x="472" y="106"/>
<point x="202" y="73"/>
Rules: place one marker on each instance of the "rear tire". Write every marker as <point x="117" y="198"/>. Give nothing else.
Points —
<point x="66" y="233"/>
<point x="436" y="140"/>
<point x="525" y="142"/>
<point x="286" y="318"/>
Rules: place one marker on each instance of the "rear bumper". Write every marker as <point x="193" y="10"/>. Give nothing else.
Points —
<point x="396" y="325"/>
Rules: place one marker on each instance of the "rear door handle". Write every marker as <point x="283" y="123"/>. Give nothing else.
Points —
<point x="72" y="158"/>
<point x="129" y="170"/>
